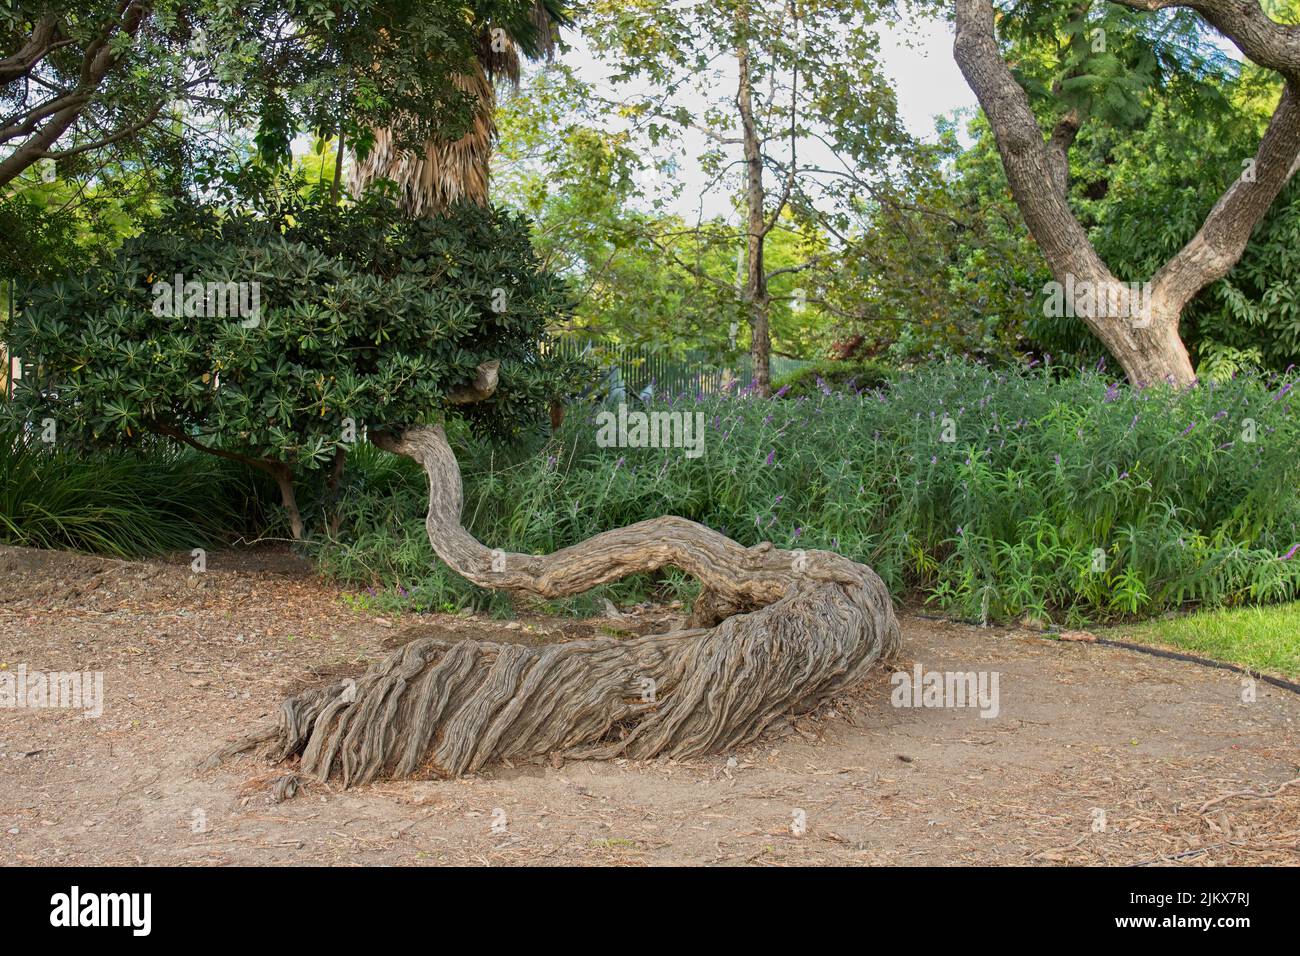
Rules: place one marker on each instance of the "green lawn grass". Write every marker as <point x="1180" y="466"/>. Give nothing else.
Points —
<point x="1260" y="638"/>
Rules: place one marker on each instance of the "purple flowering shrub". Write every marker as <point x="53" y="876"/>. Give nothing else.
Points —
<point x="994" y="493"/>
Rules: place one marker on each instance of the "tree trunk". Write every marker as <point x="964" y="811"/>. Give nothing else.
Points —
<point x="802" y="626"/>
<point x="333" y="514"/>
<point x="1144" y="341"/>
<point x="336" y="186"/>
<point x="284" y="479"/>
<point x="1148" y="348"/>
<point x="443" y="173"/>
<point x="756" y="297"/>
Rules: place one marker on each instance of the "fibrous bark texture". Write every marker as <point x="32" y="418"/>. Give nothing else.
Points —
<point x="445" y="172"/>
<point x="802" y="626"/>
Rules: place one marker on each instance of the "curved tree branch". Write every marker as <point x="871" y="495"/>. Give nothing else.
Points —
<point x="796" y="627"/>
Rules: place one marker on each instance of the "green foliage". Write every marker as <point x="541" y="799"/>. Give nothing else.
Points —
<point x="50" y="228"/>
<point x="119" y="503"/>
<point x="364" y="319"/>
<point x="1110" y="64"/>
<point x="1167" y="122"/>
<point x="1160" y="141"/>
<point x="1258" y="638"/>
<point x="603" y="171"/>
<point x="645" y="276"/>
<point x="279" y="66"/>
<point x="1061" y="494"/>
<point x="827" y="377"/>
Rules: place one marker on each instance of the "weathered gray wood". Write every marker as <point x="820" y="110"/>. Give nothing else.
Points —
<point x="818" y="623"/>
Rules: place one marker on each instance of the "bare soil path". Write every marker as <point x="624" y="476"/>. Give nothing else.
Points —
<point x="1097" y="755"/>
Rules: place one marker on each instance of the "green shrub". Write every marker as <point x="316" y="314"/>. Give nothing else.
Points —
<point x="348" y="317"/>
<point x="122" y="503"/>
<point x="1060" y="494"/>
<point x="831" y="376"/>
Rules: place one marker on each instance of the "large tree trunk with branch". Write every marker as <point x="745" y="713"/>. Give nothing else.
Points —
<point x="1140" y="328"/>
<point x="773" y="633"/>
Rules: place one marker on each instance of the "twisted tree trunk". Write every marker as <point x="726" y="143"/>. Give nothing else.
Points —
<point x="774" y="632"/>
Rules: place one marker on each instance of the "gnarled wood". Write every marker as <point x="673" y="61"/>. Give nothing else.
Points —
<point x="819" y="622"/>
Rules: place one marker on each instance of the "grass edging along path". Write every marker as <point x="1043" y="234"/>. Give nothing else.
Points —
<point x="1265" y="639"/>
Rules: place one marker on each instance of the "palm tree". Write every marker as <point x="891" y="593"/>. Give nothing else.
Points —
<point x="446" y="172"/>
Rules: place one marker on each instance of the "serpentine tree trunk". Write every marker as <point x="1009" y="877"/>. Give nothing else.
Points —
<point x="774" y="632"/>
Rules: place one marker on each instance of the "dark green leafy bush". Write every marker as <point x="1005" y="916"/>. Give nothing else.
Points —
<point x="364" y="319"/>
<point x="832" y="376"/>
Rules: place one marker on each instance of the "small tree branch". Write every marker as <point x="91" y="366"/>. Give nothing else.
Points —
<point x="484" y="384"/>
<point x="176" y="434"/>
<point x="1222" y="238"/>
<point x="97" y="61"/>
<point x="37" y="46"/>
<point x="110" y="139"/>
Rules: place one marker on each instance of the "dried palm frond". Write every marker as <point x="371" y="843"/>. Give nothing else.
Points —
<point x="445" y="172"/>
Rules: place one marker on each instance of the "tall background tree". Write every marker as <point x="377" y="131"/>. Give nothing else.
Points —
<point x="1104" y="62"/>
<point x="798" y="125"/>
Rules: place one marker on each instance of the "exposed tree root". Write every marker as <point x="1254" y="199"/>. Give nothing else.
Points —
<point x="795" y="628"/>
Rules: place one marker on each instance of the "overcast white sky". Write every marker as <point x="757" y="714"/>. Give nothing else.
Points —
<point x="925" y="76"/>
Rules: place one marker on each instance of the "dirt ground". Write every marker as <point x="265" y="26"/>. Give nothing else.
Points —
<point x="1097" y="755"/>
